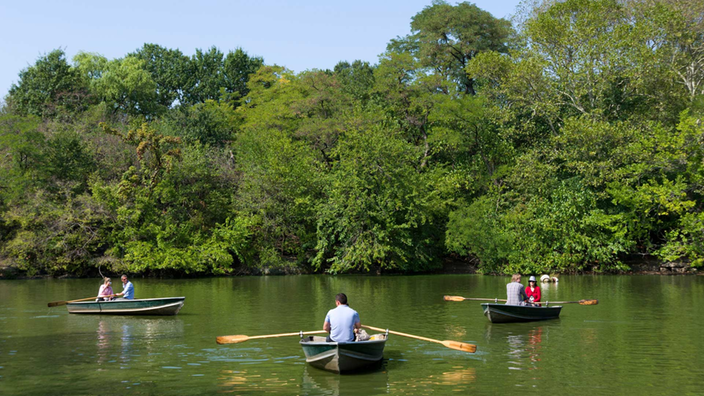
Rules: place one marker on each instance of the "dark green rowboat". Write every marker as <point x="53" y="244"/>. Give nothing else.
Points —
<point x="502" y="313"/>
<point x="344" y="357"/>
<point x="146" y="306"/>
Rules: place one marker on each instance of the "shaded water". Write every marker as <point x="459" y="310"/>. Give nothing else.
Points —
<point x="644" y="337"/>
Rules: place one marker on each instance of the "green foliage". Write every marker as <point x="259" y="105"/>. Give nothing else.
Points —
<point x="379" y="212"/>
<point x="571" y="144"/>
<point x="213" y="76"/>
<point x="210" y="123"/>
<point x="168" y="69"/>
<point x="54" y="237"/>
<point x="127" y="88"/>
<point x="47" y="87"/>
<point x="446" y="37"/>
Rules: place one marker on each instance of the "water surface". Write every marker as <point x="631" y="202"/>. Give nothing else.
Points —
<point x="644" y="337"/>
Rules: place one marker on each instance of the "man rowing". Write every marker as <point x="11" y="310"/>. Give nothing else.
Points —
<point x="127" y="289"/>
<point x="342" y="321"/>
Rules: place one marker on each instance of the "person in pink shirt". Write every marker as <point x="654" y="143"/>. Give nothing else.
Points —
<point x="105" y="293"/>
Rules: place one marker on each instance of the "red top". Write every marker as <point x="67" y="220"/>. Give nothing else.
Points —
<point x="535" y="293"/>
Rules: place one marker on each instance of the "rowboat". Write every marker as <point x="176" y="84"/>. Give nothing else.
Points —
<point x="502" y="313"/>
<point x="343" y="357"/>
<point x="145" y="306"/>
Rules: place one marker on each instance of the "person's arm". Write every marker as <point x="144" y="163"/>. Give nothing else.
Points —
<point x="357" y="322"/>
<point x="523" y="293"/>
<point x="326" y="324"/>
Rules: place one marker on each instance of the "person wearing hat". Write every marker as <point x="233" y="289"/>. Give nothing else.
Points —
<point x="533" y="291"/>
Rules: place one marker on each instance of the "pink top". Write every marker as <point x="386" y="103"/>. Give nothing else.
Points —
<point x="105" y="290"/>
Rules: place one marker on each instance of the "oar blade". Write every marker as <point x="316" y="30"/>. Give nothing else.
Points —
<point x="453" y="298"/>
<point x="56" y="303"/>
<point x="233" y="339"/>
<point x="588" y="302"/>
<point x="460" y="346"/>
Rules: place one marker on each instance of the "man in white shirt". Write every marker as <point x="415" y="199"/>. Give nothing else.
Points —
<point x="341" y="322"/>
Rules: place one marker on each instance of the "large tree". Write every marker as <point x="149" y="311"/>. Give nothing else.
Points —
<point x="49" y="83"/>
<point x="445" y="38"/>
<point x="168" y="69"/>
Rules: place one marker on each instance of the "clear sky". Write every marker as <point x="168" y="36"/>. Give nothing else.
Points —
<point x="312" y="34"/>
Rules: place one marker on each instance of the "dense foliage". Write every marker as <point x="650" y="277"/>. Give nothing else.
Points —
<point x="569" y="141"/>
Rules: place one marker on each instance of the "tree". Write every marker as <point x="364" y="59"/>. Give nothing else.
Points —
<point x="168" y="69"/>
<point x="237" y="68"/>
<point x="379" y="212"/>
<point x="50" y="83"/>
<point x="127" y="88"/>
<point x="445" y="38"/>
<point x="356" y="78"/>
<point x="205" y="76"/>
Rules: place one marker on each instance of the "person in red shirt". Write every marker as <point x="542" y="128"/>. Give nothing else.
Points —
<point x="533" y="291"/>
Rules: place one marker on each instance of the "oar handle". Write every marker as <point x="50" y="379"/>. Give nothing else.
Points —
<point x="288" y="334"/>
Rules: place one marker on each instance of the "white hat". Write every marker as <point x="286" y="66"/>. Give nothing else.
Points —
<point x="531" y="279"/>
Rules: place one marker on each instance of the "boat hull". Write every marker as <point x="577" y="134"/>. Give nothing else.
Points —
<point x="502" y="313"/>
<point x="146" y="306"/>
<point x="343" y="357"/>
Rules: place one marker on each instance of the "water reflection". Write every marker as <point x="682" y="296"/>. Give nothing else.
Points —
<point x="122" y="339"/>
<point x="319" y="382"/>
<point x="103" y="342"/>
<point x="244" y="381"/>
<point x="457" y="378"/>
<point x="524" y="345"/>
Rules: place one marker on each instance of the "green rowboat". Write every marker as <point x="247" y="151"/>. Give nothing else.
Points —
<point x="344" y="357"/>
<point x="145" y="306"/>
<point x="503" y="313"/>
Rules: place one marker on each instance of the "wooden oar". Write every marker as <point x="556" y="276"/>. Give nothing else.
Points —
<point x="58" y="303"/>
<point x="580" y="302"/>
<point x="460" y="298"/>
<point x="460" y="346"/>
<point x="233" y="339"/>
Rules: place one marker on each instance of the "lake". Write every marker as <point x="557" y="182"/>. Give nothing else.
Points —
<point x="644" y="337"/>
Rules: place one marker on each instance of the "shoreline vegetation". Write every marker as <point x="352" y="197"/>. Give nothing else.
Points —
<point x="641" y="267"/>
<point x="568" y="140"/>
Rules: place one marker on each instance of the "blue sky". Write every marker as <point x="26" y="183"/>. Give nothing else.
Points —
<point x="299" y="35"/>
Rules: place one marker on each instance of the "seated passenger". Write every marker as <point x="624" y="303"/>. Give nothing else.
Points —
<point x="105" y="292"/>
<point x="515" y="294"/>
<point x="533" y="291"/>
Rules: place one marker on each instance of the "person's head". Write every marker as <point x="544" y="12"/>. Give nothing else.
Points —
<point x="124" y="278"/>
<point x="516" y="278"/>
<point x="531" y="281"/>
<point x="107" y="281"/>
<point x="341" y="298"/>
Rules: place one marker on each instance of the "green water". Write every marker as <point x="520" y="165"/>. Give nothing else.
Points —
<point x="644" y="338"/>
